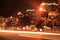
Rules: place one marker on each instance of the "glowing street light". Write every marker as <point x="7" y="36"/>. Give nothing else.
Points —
<point x="41" y="9"/>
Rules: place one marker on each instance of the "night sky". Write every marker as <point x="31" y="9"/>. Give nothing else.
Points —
<point x="11" y="7"/>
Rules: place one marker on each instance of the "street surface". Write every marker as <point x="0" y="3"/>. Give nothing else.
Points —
<point x="25" y="35"/>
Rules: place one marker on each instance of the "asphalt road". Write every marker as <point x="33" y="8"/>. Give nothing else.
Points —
<point x="22" y="35"/>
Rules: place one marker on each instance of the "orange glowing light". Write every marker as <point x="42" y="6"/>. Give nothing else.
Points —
<point x="41" y="9"/>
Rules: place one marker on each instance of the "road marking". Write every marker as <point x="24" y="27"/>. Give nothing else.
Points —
<point x="27" y="32"/>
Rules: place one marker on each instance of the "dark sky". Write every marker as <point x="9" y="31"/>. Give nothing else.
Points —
<point x="11" y="7"/>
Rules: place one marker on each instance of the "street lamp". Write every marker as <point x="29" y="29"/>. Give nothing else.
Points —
<point x="41" y="9"/>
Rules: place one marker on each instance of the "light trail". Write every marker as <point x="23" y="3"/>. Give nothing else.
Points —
<point x="27" y="32"/>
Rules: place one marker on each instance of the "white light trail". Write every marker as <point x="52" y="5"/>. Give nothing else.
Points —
<point x="27" y="32"/>
<point x="49" y="4"/>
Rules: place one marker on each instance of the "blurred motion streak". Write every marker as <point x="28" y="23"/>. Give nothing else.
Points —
<point x="27" y="32"/>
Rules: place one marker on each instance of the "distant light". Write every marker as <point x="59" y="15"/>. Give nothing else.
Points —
<point x="30" y="10"/>
<point x="11" y="17"/>
<point x="41" y="9"/>
<point x="40" y="29"/>
<point x="19" y="13"/>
